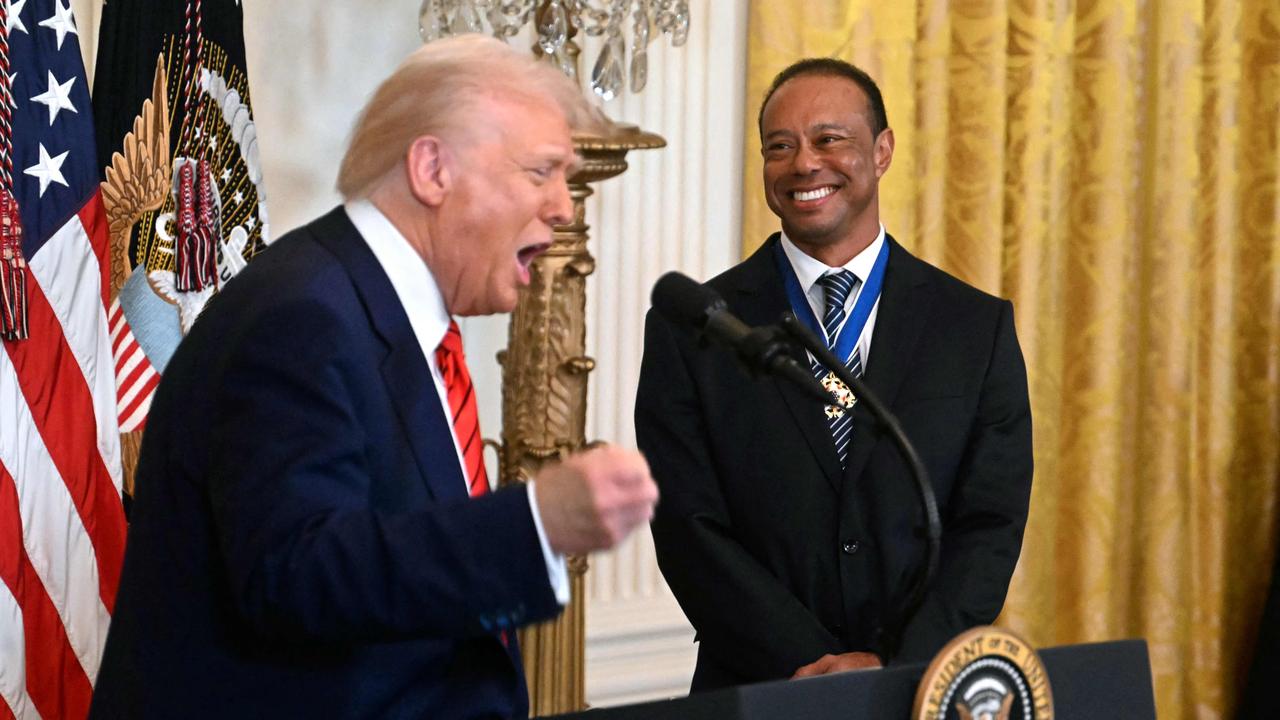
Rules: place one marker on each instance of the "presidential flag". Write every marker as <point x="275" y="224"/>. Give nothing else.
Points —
<point x="62" y="525"/>
<point x="182" y="181"/>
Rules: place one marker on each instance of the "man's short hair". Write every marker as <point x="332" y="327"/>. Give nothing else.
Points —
<point x="434" y="92"/>
<point x="834" y="68"/>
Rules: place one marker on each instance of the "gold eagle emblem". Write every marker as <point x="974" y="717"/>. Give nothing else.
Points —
<point x="138" y="180"/>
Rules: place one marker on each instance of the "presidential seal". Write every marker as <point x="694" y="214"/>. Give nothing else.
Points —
<point x="987" y="673"/>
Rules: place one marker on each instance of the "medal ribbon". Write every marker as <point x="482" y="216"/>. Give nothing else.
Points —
<point x="848" y="336"/>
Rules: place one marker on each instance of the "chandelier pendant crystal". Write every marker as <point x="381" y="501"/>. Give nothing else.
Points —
<point x="554" y="22"/>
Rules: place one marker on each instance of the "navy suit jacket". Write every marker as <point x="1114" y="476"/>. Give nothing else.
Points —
<point x="302" y="543"/>
<point x="776" y="554"/>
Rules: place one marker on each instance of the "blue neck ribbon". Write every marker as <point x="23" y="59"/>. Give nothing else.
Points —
<point x="862" y="305"/>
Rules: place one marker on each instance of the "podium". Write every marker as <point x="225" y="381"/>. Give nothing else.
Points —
<point x="1097" y="680"/>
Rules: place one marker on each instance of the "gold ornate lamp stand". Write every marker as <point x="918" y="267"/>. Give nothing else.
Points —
<point x="544" y="404"/>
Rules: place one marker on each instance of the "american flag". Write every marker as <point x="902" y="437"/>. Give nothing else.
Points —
<point x="62" y="526"/>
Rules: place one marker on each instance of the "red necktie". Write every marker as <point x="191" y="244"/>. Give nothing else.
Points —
<point x="462" y="401"/>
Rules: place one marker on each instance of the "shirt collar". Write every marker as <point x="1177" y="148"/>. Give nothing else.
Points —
<point x="809" y="269"/>
<point x="409" y="275"/>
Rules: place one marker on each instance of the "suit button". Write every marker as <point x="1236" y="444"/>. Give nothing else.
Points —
<point x="850" y="547"/>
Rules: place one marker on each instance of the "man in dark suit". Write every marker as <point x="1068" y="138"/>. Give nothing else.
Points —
<point x="790" y="532"/>
<point x="314" y="534"/>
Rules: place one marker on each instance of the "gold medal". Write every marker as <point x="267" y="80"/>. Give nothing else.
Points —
<point x="843" y="396"/>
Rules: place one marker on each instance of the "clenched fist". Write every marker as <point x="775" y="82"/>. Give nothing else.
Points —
<point x="593" y="500"/>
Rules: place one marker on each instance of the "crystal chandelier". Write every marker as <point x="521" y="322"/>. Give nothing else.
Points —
<point x="554" y="21"/>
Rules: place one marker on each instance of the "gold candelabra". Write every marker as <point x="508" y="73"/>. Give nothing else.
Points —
<point x="545" y="366"/>
<point x="544" y="404"/>
<point x="544" y="373"/>
<point x="544" y="390"/>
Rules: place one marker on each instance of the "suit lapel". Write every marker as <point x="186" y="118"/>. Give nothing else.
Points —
<point x="904" y="303"/>
<point x="404" y="370"/>
<point x="761" y="300"/>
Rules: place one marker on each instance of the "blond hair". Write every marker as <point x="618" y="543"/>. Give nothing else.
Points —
<point x="434" y="92"/>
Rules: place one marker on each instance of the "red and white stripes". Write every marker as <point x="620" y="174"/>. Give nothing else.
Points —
<point x="136" y="377"/>
<point x="62" y="526"/>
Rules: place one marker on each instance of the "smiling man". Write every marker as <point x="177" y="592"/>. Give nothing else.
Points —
<point x="314" y="532"/>
<point x="791" y="543"/>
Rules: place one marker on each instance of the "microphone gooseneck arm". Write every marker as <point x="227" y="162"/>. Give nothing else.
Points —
<point x="767" y="349"/>
<point x="933" y="524"/>
<point x="761" y="350"/>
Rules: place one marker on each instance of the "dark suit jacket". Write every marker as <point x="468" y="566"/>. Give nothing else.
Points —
<point x="1260" y="700"/>
<point x="774" y="553"/>
<point x="302" y="541"/>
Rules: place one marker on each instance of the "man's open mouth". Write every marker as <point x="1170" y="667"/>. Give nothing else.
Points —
<point x="526" y="254"/>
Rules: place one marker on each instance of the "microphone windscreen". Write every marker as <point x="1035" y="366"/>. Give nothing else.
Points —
<point x="682" y="299"/>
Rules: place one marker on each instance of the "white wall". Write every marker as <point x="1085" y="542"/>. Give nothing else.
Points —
<point x="312" y="66"/>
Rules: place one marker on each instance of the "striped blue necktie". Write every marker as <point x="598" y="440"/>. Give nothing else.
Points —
<point x="838" y="286"/>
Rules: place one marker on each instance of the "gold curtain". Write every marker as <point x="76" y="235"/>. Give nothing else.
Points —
<point x="1112" y="167"/>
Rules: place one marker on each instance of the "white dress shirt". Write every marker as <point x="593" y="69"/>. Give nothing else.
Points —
<point x="808" y="270"/>
<point x="420" y="296"/>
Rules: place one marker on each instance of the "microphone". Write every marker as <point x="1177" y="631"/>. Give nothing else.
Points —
<point x="762" y="350"/>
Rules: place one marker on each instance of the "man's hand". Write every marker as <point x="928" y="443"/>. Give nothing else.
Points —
<point x="838" y="663"/>
<point x="593" y="500"/>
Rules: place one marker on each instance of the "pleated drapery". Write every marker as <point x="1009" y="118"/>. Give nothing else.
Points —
<point x="1113" y="167"/>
